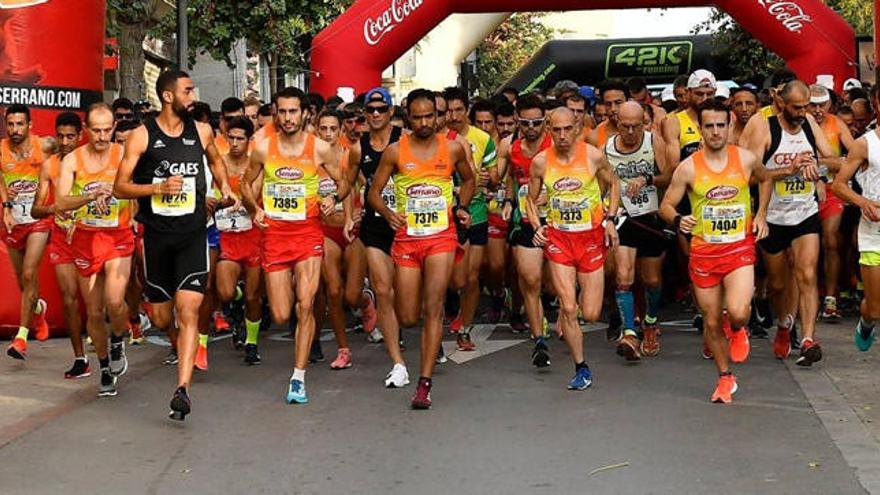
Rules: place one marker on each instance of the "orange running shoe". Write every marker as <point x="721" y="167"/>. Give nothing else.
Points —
<point x="651" y="342"/>
<point x="41" y="326"/>
<point x="456" y="324"/>
<point x="739" y="342"/>
<point x="202" y="358"/>
<point x="725" y="389"/>
<point x="220" y="323"/>
<point x="464" y="342"/>
<point x="628" y="347"/>
<point x="782" y="343"/>
<point x="17" y="349"/>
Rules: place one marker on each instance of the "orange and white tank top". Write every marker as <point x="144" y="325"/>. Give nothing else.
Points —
<point x="23" y="178"/>
<point x="721" y="204"/>
<point x="290" y="184"/>
<point x="118" y="214"/>
<point x="423" y="191"/>
<point x="573" y="195"/>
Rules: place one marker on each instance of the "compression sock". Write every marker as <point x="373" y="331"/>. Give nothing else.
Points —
<point x="625" y="303"/>
<point x="253" y="331"/>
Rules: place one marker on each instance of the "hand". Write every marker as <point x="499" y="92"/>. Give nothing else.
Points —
<point x="102" y="203"/>
<point x="542" y="198"/>
<point x="328" y="205"/>
<point x="760" y="227"/>
<point x="12" y="193"/>
<point x="634" y="186"/>
<point x="869" y="210"/>
<point x="688" y="222"/>
<point x="348" y="229"/>
<point x="506" y="211"/>
<point x="8" y="220"/>
<point x="211" y="205"/>
<point x="612" y="240"/>
<point x="395" y="220"/>
<point x="821" y="188"/>
<point x="172" y="185"/>
<point x="260" y="218"/>
<point x="540" y="237"/>
<point x="61" y="215"/>
<point x="230" y="199"/>
<point x="483" y="178"/>
<point x="464" y="217"/>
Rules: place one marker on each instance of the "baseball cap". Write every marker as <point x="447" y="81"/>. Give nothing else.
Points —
<point x="588" y="93"/>
<point x="851" y="83"/>
<point x="722" y="92"/>
<point x="701" y="78"/>
<point x="668" y="94"/>
<point x="378" y="94"/>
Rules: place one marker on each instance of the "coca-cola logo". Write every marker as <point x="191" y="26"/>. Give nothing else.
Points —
<point x="790" y="14"/>
<point x="423" y="191"/>
<point x="23" y="186"/>
<point x="567" y="184"/>
<point x="288" y="173"/>
<point x="15" y="4"/>
<point x="722" y="192"/>
<point x="376" y="28"/>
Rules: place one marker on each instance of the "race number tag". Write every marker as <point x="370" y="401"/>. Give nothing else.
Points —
<point x="521" y="197"/>
<point x="91" y="217"/>
<point x="229" y="220"/>
<point x="175" y="205"/>
<point x="793" y="189"/>
<point x="571" y="214"/>
<point x="21" y="208"/>
<point x="285" y="201"/>
<point x="645" y="201"/>
<point x="388" y="197"/>
<point x="426" y="216"/>
<point x="724" y="224"/>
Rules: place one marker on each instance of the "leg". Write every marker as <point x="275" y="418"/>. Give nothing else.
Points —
<point x="806" y="259"/>
<point x="777" y="282"/>
<point x="470" y="297"/>
<point x="626" y="259"/>
<point x="381" y="269"/>
<point x="92" y="289"/>
<point x="30" y="267"/>
<point x="68" y="285"/>
<point x="186" y="306"/>
<point x="435" y="280"/>
<point x="226" y="279"/>
<point x="709" y="301"/>
<point x="307" y="275"/>
<point x="331" y="273"/>
<point x="355" y="263"/>
<point x="739" y="286"/>
<point x="116" y="274"/>
<point x="831" y="252"/>
<point x="564" y="279"/>
<point x="529" y="264"/>
<point x="280" y="294"/>
<point x="409" y="307"/>
<point x="651" y="275"/>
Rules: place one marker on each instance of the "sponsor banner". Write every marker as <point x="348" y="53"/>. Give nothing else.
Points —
<point x="649" y="60"/>
<point x="46" y="97"/>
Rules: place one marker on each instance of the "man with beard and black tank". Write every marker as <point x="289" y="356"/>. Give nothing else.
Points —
<point x="638" y="162"/>
<point x="375" y="233"/>
<point x="789" y="142"/>
<point x="164" y="169"/>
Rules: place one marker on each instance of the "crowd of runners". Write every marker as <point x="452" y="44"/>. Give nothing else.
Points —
<point x="592" y="201"/>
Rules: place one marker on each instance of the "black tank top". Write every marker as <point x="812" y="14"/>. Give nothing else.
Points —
<point x="370" y="159"/>
<point x="166" y="156"/>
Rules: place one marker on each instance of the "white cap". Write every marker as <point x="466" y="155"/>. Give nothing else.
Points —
<point x="701" y="78"/>
<point x="819" y="94"/>
<point x="722" y="92"/>
<point x="668" y="94"/>
<point x="851" y="83"/>
<point x="826" y="80"/>
<point x="347" y="94"/>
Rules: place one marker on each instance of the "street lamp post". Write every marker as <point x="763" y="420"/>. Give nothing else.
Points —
<point x="182" y="35"/>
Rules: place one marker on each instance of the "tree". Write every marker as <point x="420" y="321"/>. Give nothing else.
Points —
<point x="129" y="21"/>
<point x="509" y="47"/>
<point x="750" y="58"/>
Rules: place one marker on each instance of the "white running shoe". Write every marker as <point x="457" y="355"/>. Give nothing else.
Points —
<point x="398" y="377"/>
<point x="375" y="337"/>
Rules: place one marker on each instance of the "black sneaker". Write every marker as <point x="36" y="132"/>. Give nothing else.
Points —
<point x="170" y="359"/>
<point x="251" y="355"/>
<point x="108" y="384"/>
<point x="80" y="369"/>
<point x="238" y="336"/>
<point x="180" y="405"/>
<point x="540" y="356"/>
<point x="316" y="354"/>
<point x="118" y="361"/>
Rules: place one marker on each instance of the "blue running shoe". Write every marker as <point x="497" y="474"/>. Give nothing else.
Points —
<point x="296" y="394"/>
<point x="582" y="379"/>
<point x="863" y="341"/>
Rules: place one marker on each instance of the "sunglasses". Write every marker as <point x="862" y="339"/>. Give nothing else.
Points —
<point x="531" y="122"/>
<point x="377" y="110"/>
<point x="124" y="116"/>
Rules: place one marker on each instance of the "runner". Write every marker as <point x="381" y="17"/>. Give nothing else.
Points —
<point x="638" y="91"/>
<point x="612" y="93"/>
<point x="744" y="106"/>
<point x="578" y="105"/>
<point x="422" y="164"/>
<point x="230" y="108"/>
<point x="681" y="132"/>
<point x="164" y="169"/>
<point x="723" y="245"/>
<point x="252" y="110"/>
<point x="240" y="242"/>
<point x="22" y="156"/>
<point x="788" y="142"/>
<point x="482" y="116"/>
<point x="638" y="162"/>
<point x="292" y="244"/>
<point x="102" y="241"/>
<point x="68" y="134"/>
<point x="577" y="232"/>
<point x="375" y="233"/>
<point x="505" y="120"/>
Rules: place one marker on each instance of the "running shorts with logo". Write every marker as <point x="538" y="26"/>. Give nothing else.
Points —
<point x="17" y="238"/>
<point x="174" y="262"/>
<point x="585" y="251"/>
<point x="93" y="248"/>
<point x="241" y="247"/>
<point x="60" y="250"/>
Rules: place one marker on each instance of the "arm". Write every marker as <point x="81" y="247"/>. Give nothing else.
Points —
<point x="681" y="180"/>
<point x="605" y="173"/>
<point x="63" y="200"/>
<point x="758" y="173"/>
<point x="857" y="157"/>
<point x="40" y="209"/>
<point x="374" y="196"/>
<point x="536" y="183"/>
<point x="662" y="160"/>
<point x="490" y="165"/>
<point x="669" y="130"/>
<point x="354" y="163"/>
<point x="468" y="184"/>
<point x="248" y="191"/>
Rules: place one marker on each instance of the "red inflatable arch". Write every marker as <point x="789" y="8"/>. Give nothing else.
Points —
<point x="372" y="34"/>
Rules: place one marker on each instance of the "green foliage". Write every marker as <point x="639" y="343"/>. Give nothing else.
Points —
<point x="508" y="47"/>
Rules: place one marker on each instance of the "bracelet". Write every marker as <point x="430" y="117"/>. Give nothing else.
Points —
<point x="611" y="218"/>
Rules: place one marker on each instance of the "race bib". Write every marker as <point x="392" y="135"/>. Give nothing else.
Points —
<point x="724" y="224"/>
<point x="388" y="196"/>
<point x="285" y="201"/>
<point x="426" y="216"/>
<point x="229" y="220"/>
<point x="496" y="205"/>
<point x="91" y="217"/>
<point x="21" y="208"/>
<point x="522" y="201"/>
<point x="645" y="201"/>
<point x="571" y="214"/>
<point x="327" y="187"/>
<point x="175" y="205"/>
<point x="793" y="189"/>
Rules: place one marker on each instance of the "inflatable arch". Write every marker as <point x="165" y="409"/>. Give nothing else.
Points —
<point x="354" y="50"/>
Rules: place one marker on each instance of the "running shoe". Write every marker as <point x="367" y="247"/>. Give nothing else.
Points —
<point x="375" y="336"/>
<point x="180" y="405"/>
<point x="864" y="338"/>
<point x="782" y="343"/>
<point x="707" y="353"/>
<point x="296" y="392"/>
<point x="441" y="356"/>
<point x="80" y="369"/>
<point x="201" y="362"/>
<point x="582" y="379"/>
<point x="456" y="324"/>
<point x="136" y="333"/>
<point x="239" y="336"/>
<point x="398" y="377"/>
<point x="220" y="323"/>
<point x="651" y="342"/>
<point x="628" y="346"/>
<point x="369" y="316"/>
<point x="464" y="342"/>
<point x="171" y="358"/>
<point x="251" y="355"/>
<point x="342" y="361"/>
<point x="811" y="352"/>
<point x="738" y="341"/>
<point x="108" y="384"/>
<point x="41" y="326"/>
<point x="118" y="360"/>
<point x="540" y="354"/>
<point x="726" y="388"/>
<point x="829" y="313"/>
<point x="316" y="354"/>
<point x="517" y="323"/>
<point x="17" y="349"/>
<point x="422" y="398"/>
